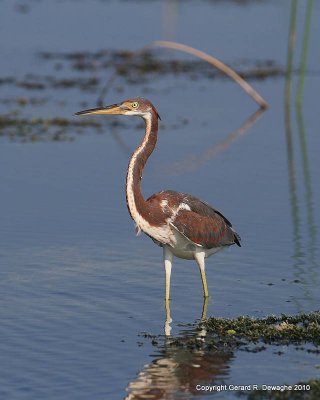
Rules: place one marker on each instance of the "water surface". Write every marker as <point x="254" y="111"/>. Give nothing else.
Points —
<point x="78" y="288"/>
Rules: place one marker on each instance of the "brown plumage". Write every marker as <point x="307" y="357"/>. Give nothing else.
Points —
<point x="183" y="225"/>
<point x="202" y="224"/>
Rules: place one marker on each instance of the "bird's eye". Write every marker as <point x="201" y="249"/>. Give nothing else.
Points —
<point x="134" y="104"/>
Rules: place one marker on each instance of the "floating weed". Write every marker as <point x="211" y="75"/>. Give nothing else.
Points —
<point x="285" y="329"/>
<point x="23" y="129"/>
<point x="149" y="62"/>
<point x="133" y="68"/>
<point x="252" y="334"/>
<point x="36" y="129"/>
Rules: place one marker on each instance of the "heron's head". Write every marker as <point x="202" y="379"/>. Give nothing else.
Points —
<point x="137" y="106"/>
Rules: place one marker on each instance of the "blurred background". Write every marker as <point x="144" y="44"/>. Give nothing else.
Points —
<point x="81" y="295"/>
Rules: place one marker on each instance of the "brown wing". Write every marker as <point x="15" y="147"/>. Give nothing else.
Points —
<point x="198" y="221"/>
<point x="208" y="232"/>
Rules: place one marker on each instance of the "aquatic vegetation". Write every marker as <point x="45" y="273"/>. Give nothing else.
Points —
<point x="214" y="342"/>
<point x="24" y="129"/>
<point x="134" y="64"/>
<point x="251" y="334"/>
<point x="286" y="329"/>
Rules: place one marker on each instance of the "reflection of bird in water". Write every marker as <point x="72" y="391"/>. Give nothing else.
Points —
<point x="168" y="320"/>
<point x="179" y="369"/>
<point x="178" y="373"/>
<point x="183" y="225"/>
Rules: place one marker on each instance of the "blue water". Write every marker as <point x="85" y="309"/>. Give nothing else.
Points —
<point x="77" y="286"/>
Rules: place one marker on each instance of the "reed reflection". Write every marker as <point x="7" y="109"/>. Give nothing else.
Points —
<point x="170" y="14"/>
<point x="304" y="261"/>
<point x="195" y="161"/>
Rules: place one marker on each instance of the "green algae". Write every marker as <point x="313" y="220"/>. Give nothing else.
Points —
<point x="253" y="334"/>
<point x="284" y="329"/>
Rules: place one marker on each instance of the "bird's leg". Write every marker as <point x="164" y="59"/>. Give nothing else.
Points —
<point x="204" y="309"/>
<point x="199" y="256"/>
<point x="167" y="257"/>
<point x="203" y="330"/>
<point x="167" y="324"/>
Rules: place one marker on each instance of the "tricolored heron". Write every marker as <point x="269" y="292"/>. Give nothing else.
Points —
<point x="182" y="225"/>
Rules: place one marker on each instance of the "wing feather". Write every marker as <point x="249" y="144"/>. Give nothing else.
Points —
<point x="206" y="231"/>
<point x="196" y="220"/>
<point x="203" y="224"/>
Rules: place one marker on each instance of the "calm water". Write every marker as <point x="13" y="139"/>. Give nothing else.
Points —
<point x="78" y="288"/>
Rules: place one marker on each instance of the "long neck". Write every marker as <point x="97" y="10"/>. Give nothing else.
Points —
<point x="135" y="200"/>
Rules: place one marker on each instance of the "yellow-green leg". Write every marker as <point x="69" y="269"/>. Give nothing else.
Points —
<point x="167" y="257"/>
<point x="167" y="324"/>
<point x="204" y="309"/>
<point x="199" y="256"/>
